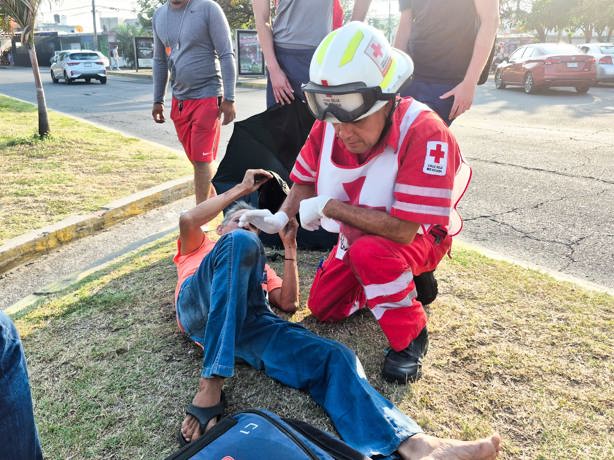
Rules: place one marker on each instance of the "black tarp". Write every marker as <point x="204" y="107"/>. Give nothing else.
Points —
<point x="270" y="140"/>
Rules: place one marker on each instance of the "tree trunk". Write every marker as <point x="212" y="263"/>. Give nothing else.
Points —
<point x="43" y="119"/>
<point x="609" y="35"/>
<point x="588" y="33"/>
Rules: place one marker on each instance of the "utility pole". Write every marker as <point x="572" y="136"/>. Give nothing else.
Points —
<point x="95" y="32"/>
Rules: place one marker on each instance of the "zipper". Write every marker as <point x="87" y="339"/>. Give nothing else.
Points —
<point x="283" y="429"/>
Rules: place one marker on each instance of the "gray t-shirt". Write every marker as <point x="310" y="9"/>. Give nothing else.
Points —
<point x="199" y="39"/>
<point x="302" y="24"/>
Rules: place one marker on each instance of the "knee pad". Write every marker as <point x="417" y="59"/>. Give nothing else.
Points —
<point x="426" y="287"/>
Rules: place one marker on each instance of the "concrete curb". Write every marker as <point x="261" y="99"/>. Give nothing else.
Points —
<point x="26" y="247"/>
<point x="246" y="83"/>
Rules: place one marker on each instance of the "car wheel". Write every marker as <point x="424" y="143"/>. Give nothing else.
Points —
<point x="583" y="89"/>
<point x="88" y="80"/>
<point x="529" y="83"/>
<point x="67" y="80"/>
<point x="103" y="80"/>
<point x="499" y="80"/>
<point x="53" y="78"/>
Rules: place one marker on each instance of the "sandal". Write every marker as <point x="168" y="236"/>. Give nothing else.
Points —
<point x="204" y="415"/>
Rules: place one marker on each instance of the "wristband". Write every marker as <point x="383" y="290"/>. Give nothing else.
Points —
<point x="285" y="258"/>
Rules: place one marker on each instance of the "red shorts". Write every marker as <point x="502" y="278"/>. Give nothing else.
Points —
<point x="198" y="127"/>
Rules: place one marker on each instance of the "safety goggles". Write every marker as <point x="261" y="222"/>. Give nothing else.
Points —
<point x="343" y="103"/>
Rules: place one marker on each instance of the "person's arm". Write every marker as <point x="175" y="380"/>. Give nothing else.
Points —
<point x="282" y="90"/>
<point x="160" y="76"/>
<point x="401" y="39"/>
<point x="372" y="221"/>
<point x="488" y="14"/>
<point x="359" y="12"/>
<point x="190" y="222"/>
<point x="298" y="193"/>
<point x="287" y="297"/>
<point x="219" y="32"/>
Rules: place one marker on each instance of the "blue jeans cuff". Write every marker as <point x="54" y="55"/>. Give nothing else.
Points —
<point x="218" y="370"/>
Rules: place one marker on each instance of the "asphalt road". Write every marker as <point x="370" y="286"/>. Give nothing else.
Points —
<point x="543" y="184"/>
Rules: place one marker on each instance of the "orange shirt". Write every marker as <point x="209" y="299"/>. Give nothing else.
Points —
<point x="187" y="264"/>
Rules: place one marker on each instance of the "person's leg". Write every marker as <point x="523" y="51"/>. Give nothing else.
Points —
<point x="18" y="434"/>
<point x="335" y="292"/>
<point x="295" y="64"/>
<point x="204" y="142"/>
<point x="332" y="375"/>
<point x="213" y="305"/>
<point x="428" y="93"/>
<point x="386" y="271"/>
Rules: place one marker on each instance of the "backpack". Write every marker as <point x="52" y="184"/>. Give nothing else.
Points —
<point x="257" y="434"/>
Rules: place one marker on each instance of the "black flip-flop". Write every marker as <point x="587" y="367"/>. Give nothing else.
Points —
<point x="203" y="415"/>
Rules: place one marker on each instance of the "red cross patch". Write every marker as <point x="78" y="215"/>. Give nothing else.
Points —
<point x="377" y="52"/>
<point x="436" y="159"/>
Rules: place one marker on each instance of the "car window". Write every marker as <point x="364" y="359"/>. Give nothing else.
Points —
<point x="530" y="51"/>
<point x="584" y="49"/>
<point x="84" y="56"/>
<point x="558" y="48"/>
<point x="608" y="49"/>
<point x="516" y="54"/>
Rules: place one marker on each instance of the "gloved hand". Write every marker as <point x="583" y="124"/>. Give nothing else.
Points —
<point x="311" y="211"/>
<point x="264" y="220"/>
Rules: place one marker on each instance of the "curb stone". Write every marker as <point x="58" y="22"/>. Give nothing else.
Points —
<point x="246" y="83"/>
<point x="26" y="247"/>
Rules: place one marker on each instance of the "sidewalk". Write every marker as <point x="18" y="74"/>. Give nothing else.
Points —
<point x="242" y="82"/>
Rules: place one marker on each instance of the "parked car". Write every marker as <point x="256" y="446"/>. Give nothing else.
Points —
<point x="604" y="57"/>
<point x="103" y="58"/>
<point x="73" y="65"/>
<point x="544" y="65"/>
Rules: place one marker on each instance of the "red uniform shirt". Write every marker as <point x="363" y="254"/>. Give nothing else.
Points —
<point x="428" y="159"/>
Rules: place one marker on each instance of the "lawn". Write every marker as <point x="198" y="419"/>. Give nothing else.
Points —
<point x="77" y="170"/>
<point x="511" y="350"/>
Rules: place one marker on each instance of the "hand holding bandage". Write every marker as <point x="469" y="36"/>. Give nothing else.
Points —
<point x="264" y="220"/>
<point x="311" y="212"/>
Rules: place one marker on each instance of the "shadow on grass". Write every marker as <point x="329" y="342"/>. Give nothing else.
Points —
<point x="511" y="350"/>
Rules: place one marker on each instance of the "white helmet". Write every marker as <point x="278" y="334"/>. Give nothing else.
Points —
<point x="353" y="73"/>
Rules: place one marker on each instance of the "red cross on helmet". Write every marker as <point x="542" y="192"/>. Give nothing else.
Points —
<point x="353" y="73"/>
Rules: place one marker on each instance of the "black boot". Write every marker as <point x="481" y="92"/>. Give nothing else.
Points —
<point x="406" y="365"/>
<point x="426" y="287"/>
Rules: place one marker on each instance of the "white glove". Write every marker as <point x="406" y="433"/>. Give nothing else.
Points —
<point x="264" y="220"/>
<point x="311" y="212"/>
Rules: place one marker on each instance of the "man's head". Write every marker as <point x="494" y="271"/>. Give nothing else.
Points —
<point x="178" y="3"/>
<point x="231" y="219"/>
<point x="355" y="76"/>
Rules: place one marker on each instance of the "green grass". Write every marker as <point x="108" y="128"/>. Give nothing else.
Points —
<point x="511" y="350"/>
<point x="76" y="170"/>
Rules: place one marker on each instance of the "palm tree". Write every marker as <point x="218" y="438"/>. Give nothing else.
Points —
<point x="24" y="12"/>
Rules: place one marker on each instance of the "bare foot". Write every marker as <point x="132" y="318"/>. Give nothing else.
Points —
<point x="422" y="446"/>
<point x="209" y="394"/>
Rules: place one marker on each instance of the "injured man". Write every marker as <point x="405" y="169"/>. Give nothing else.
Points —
<point x="223" y="297"/>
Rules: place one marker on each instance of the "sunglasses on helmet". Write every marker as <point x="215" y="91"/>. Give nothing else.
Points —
<point x="344" y="103"/>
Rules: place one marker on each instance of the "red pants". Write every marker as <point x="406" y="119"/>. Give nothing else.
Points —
<point x="198" y="125"/>
<point x="378" y="273"/>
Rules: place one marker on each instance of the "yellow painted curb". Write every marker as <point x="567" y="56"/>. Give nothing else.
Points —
<point x="26" y="247"/>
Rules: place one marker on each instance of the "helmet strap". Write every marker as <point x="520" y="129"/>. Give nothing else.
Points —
<point x="388" y="121"/>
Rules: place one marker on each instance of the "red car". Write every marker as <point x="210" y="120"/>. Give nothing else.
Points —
<point x="543" y="65"/>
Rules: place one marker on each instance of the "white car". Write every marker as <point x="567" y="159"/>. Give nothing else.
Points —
<point x="604" y="58"/>
<point x="82" y="64"/>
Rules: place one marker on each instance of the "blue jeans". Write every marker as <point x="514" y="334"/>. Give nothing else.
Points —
<point x="428" y="93"/>
<point x="295" y="64"/>
<point x="18" y="434"/>
<point x="222" y="307"/>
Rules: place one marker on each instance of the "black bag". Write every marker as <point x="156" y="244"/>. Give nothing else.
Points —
<point x="257" y="434"/>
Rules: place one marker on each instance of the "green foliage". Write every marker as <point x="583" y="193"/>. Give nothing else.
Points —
<point x="560" y="16"/>
<point x="238" y="12"/>
<point x="125" y="34"/>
